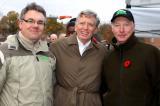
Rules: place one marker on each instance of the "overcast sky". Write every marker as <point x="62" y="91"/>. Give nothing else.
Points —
<point x="104" y="8"/>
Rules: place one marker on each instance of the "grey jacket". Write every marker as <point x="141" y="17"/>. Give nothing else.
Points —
<point x="26" y="77"/>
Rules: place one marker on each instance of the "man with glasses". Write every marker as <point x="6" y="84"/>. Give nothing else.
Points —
<point x="26" y="65"/>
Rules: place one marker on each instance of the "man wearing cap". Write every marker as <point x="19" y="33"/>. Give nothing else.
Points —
<point x="70" y="28"/>
<point x="132" y="70"/>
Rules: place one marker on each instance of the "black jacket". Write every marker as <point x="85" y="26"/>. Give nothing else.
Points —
<point x="132" y="74"/>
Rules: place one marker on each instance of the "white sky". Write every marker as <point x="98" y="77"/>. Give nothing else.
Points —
<point x="104" y="8"/>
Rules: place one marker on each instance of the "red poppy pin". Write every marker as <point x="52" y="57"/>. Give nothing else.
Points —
<point x="127" y="63"/>
<point x="94" y="40"/>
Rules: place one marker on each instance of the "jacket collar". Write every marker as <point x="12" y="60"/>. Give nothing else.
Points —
<point x="130" y="43"/>
<point x="35" y="47"/>
<point x="16" y="41"/>
<point x="72" y="40"/>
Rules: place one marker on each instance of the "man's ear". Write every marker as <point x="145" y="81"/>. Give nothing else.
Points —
<point x="96" y="30"/>
<point x="112" y="27"/>
<point x="134" y="26"/>
<point x="19" y="23"/>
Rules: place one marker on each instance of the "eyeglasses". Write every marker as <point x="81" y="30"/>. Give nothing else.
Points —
<point x="32" y="21"/>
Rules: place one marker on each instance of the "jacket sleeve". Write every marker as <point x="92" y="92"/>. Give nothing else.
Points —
<point x="153" y="70"/>
<point x="158" y="82"/>
<point x="54" y="70"/>
<point x="2" y="70"/>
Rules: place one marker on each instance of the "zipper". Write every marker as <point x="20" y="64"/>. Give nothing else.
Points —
<point x="39" y="75"/>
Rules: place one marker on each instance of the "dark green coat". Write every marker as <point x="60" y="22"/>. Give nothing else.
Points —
<point x="132" y="75"/>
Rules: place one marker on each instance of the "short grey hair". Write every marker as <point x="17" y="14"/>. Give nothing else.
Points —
<point x="32" y="6"/>
<point x="89" y="13"/>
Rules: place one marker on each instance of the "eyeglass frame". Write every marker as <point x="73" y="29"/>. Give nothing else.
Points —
<point x="32" y="21"/>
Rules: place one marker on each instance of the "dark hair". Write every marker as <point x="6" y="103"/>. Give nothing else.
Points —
<point x="32" y="6"/>
<point x="71" y="22"/>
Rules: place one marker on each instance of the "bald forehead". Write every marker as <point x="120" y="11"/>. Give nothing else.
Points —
<point x="53" y="35"/>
